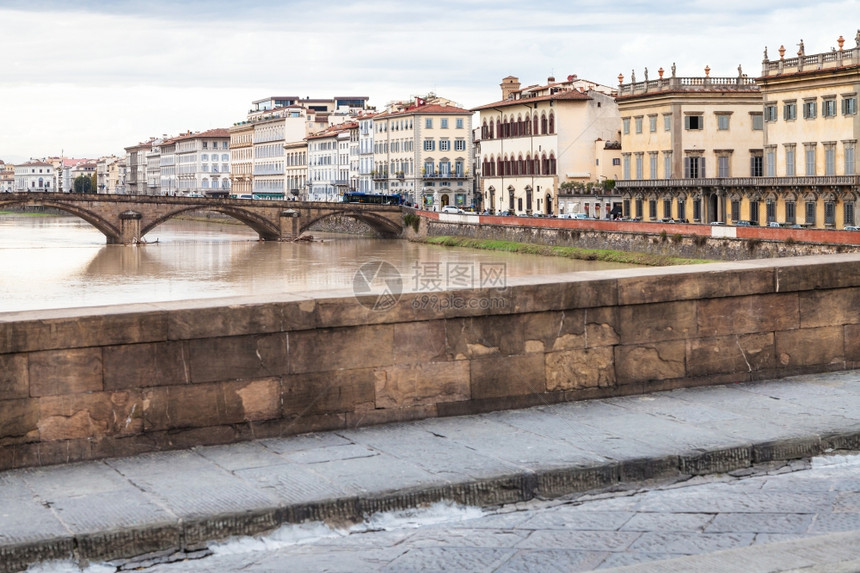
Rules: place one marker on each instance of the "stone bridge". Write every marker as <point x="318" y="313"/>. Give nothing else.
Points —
<point x="126" y="219"/>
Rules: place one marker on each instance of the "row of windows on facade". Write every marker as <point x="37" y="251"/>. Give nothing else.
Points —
<point x="544" y="165"/>
<point x="214" y="145"/>
<point x="809" y="108"/>
<point x="515" y="202"/>
<point x="405" y="124"/>
<point x="692" y="121"/>
<point x="431" y="168"/>
<point x="760" y="164"/>
<point x="444" y="145"/>
<point x="519" y="127"/>
<point x="754" y="207"/>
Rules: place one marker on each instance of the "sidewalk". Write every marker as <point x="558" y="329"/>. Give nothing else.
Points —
<point x="178" y="501"/>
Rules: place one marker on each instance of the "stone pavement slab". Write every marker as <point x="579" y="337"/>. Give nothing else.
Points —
<point x="122" y="508"/>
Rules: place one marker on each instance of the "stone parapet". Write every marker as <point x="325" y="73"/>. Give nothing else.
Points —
<point x="114" y="381"/>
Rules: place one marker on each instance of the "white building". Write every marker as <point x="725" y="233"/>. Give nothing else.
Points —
<point x="35" y="176"/>
<point x="203" y="163"/>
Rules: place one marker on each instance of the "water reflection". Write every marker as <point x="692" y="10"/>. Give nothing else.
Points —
<point x="60" y="262"/>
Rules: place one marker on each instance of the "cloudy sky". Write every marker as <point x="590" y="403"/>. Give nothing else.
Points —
<point x="87" y="78"/>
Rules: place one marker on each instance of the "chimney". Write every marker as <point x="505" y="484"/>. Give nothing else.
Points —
<point x="509" y="85"/>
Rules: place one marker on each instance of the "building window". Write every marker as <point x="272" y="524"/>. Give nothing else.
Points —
<point x="771" y="162"/>
<point x="667" y="122"/>
<point x="830" y="159"/>
<point x="790" y="212"/>
<point x="828" y="108"/>
<point x="652" y="209"/>
<point x="444" y="145"/>
<point x="459" y="123"/>
<point x="697" y="210"/>
<point x="810" y="213"/>
<point x="639" y="166"/>
<point x="429" y="145"/>
<point x="809" y="108"/>
<point x="667" y="208"/>
<point x="754" y="212"/>
<point x="723" y="165"/>
<point x="444" y="123"/>
<point x="667" y="164"/>
<point x="736" y="210"/>
<point x="770" y="211"/>
<point x="756" y="165"/>
<point x="626" y="125"/>
<point x="829" y="213"/>
<point x="639" y="210"/>
<point x="616" y="161"/>
<point x="849" y="105"/>
<point x="849" y="159"/>
<point x="770" y="113"/>
<point x="693" y="122"/>
<point x="638" y="121"/>
<point x="428" y="122"/>
<point x="459" y="145"/>
<point x="757" y="122"/>
<point x="790" y="161"/>
<point x="789" y="111"/>
<point x="810" y="161"/>
<point x="626" y="169"/>
<point x="723" y="122"/>
<point x="652" y="123"/>
<point x="682" y="210"/>
<point x="848" y="213"/>
<point x="694" y="167"/>
<point x="652" y="165"/>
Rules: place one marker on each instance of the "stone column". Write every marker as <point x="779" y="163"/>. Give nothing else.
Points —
<point x="289" y="224"/>
<point x="129" y="227"/>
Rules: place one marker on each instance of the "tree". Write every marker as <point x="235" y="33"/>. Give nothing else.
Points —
<point x="83" y="184"/>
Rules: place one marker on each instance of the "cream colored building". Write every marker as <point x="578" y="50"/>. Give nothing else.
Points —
<point x="685" y="141"/>
<point x="811" y="130"/>
<point x="242" y="157"/>
<point x="538" y="137"/>
<point x="422" y="150"/>
<point x="296" y="169"/>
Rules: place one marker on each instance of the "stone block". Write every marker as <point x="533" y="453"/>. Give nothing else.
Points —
<point x="498" y="376"/>
<point x="14" y="382"/>
<point x="835" y="272"/>
<point x="829" y="307"/>
<point x="649" y="323"/>
<point x="225" y="321"/>
<point x="341" y="348"/>
<point x="195" y="406"/>
<point x="403" y="386"/>
<point x="259" y="399"/>
<point x="642" y="363"/>
<point x="676" y="284"/>
<point x="18" y="418"/>
<point x="237" y="357"/>
<point x="583" y="368"/>
<point x="90" y="415"/>
<point x="810" y="346"/>
<point x="56" y="372"/>
<point x="420" y="342"/>
<point x="851" y="335"/>
<point x="142" y="365"/>
<point x="747" y="315"/>
<point x="727" y="354"/>
<point x="329" y="392"/>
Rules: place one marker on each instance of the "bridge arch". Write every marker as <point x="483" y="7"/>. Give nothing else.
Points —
<point x="381" y="225"/>
<point x="109" y="230"/>
<point x="263" y="227"/>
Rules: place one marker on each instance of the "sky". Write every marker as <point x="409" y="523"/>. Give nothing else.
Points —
<point x="88" y="78"/>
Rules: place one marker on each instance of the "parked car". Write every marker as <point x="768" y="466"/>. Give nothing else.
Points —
<point x="451" y="209"/>
<point x="850" y="228"/>
<point x="774" y="224"/>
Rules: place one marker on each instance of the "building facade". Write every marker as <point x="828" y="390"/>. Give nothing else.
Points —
<point x="203" y="163"/>
<point x="35" y="176"/>
<point x="539" y="137"/>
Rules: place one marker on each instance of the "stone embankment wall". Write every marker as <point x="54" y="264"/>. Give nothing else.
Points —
<point x="671" y="239"/>
<point x="113" y="381"/>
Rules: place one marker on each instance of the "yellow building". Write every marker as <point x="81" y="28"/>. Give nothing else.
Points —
<point x="241" y="158"/>
<point x="811" y="129"/>
<point x="422" y="150"/>
<point x="685" y="142"/>
<point x="538" y="137"/>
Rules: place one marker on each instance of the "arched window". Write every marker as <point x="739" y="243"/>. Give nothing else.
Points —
<point x="551" y="164"/>
<point x="499" y="128"/>
<point x="499" y="166"/>
<point x="520" y="170"/>
<point x="529" y="166"/>
<point x="544" y="165"/>
<point x="485" y="132"/>
<point x="535" y="130"/>
<point x="492" y="131"/>
<point x="543" y="124"/>
<point x="551" y="123"/>
<point x="536" y="163"/>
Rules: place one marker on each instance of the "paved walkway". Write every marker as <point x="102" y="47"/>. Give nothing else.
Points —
<point x="174" y="503"/>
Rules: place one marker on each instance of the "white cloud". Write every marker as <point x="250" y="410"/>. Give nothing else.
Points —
<point x="100" y="76"/>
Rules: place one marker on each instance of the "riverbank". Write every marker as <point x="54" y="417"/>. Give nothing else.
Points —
<point x="604" y="255"/>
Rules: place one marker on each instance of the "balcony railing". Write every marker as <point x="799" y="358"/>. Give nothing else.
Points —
<point x="823" y="181"/>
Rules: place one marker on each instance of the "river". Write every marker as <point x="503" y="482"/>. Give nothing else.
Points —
<point x="51" y="262"/>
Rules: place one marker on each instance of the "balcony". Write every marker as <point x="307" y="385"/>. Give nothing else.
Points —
<point x="381" y="176"/>
<point x="444" y="176"/>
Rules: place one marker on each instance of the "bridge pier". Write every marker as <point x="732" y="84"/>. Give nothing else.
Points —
<point x="289" y="224"/>
<point x="129" y="227"/>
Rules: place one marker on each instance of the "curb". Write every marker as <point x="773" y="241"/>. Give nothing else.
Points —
<point x="132" y="544"/>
